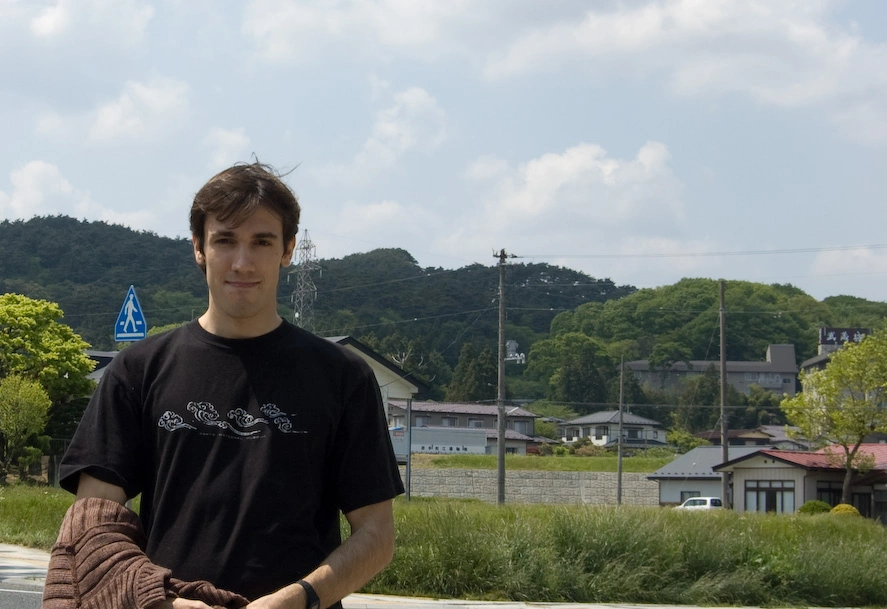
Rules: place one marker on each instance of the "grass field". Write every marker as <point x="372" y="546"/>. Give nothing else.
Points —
<point x="559" y="553"/>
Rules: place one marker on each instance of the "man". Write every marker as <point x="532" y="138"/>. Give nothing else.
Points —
<point x="245" y="435"/>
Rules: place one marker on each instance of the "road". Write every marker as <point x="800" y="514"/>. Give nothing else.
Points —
<point x="13" y="596"/>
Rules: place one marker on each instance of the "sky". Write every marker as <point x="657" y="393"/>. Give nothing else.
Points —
<point x="637" y="140"/>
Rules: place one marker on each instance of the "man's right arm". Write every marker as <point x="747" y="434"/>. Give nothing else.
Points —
<point x="88" y="486"/>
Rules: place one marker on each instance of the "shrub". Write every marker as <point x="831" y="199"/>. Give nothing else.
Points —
<point x="590" y="450"/>
<point x="815" y="507"/>
<point x="845" y="509"/>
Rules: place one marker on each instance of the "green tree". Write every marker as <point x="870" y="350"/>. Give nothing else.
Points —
<point x="35" y="345"/>
<point x="24" y="406"/>
<point x="844" y="402"/>
<point x="475" y="377"/>
<point x="684" y="441"/>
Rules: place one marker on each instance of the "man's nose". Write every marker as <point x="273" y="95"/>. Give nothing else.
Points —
<point x="243" y="259"/>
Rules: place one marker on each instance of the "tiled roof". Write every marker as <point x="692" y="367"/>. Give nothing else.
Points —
<point x="612" y="416"/>
<point x="457" y="408"/>
<point x="819" y="459"/>
<point x="698" y="462"/>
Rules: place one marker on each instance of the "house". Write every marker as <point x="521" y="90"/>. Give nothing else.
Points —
<point x="830" y="340"/>
<point x="691" y="474"/>
<point x="778" y="373"/>
<point x="519" y="423"/>
<point x="773" y="436"/>
<point x="603" y="429"/>
<point x="781" y="481"/>
<point x="394" y="382"/>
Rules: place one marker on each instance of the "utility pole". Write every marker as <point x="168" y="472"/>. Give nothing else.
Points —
<point x="500" y="392"/>
<point x="619" y="441"/>
<point x="725" y="452"/>
<point x="305" y="292"/>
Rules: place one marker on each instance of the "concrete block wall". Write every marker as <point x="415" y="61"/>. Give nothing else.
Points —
<point x="592" y="488"/>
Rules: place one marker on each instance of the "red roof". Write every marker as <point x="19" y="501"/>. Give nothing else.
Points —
<point x="819" y="459"/>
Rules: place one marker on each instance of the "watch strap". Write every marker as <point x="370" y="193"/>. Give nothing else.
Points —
<point x="313" y="601"/>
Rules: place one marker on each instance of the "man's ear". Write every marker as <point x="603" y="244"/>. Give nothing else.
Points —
<point x="198" y="255"/>
<point x="288" y="249"/>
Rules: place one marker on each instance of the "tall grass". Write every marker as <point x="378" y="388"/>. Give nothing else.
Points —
<point x="31" y="515"/>
<point x="558" y="553"/>
<point x="634" y="555"/>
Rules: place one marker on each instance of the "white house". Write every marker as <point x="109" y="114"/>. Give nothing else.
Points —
<point x="603" y="429"/>
<point x="691" y="474"/>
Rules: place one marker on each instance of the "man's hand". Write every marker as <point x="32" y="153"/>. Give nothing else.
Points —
<point x="180" y="603"/>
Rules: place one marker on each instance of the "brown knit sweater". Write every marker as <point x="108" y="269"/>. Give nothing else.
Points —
<point x="98" y="562"/>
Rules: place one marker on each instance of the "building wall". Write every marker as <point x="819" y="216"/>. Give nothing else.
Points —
<point x="772" y="471"/>
<point x="670" y="490"/>
<point x="589" y="488"/>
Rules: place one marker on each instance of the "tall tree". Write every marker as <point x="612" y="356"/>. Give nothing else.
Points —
<point x="475" y="376"/>
<point x="24" y="405"/>
<point x="36" y="345"/>
<point x="844" y="402"/>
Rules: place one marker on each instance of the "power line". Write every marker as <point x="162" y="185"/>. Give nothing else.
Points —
<point x="804" y="250"/>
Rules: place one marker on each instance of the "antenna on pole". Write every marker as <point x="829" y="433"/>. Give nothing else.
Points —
<point x="305" y="292"/>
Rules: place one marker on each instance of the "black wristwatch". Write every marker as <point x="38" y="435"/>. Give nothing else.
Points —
<point x="313" y="601"/>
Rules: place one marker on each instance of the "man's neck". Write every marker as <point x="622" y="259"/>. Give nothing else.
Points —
<point x="233" y="328"/>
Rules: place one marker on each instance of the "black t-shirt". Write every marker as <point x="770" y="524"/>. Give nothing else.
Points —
<point x="244" y="450"/>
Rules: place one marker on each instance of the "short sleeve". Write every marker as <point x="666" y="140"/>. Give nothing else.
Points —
<point x="108" y="440"/>
<point x="364" y="463"/>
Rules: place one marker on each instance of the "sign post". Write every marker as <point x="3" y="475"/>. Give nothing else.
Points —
<point x="131" y="324"/>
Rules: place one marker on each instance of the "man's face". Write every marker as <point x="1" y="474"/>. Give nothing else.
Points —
<point x="242" y="270"/>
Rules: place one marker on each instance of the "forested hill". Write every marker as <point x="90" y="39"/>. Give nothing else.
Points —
<point x="87" y="267"/>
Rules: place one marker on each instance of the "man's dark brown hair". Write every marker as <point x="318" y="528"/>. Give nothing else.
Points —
<point x="234" y="194"/>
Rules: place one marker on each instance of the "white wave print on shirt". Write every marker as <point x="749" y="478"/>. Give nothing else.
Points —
<point x="206" y="414"/>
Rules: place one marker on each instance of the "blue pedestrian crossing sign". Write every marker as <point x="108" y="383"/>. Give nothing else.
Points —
<point x="131" y="324"/>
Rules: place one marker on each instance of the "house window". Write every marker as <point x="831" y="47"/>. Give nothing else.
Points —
<point x="586" y="432"/>
<point x="688" y="494"/>
<point x="599" y="432"/>
<point x="397" y="421"/>
<point x="449" y="421"/>
<point x="633" y="433"/>
<point x="422" y="421"/>
<point x="522" y="427"/>
<point x="770" y="496"/>
<point x="830" y="492"/>
<point x="475" y="422"/>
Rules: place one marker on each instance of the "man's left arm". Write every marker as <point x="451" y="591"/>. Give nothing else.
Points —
<point x="367" y="551"/>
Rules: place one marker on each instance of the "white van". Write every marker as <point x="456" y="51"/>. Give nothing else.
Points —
<point x="701" y="503"/>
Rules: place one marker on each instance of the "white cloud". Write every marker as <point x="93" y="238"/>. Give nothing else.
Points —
<point x="585" y="184"/>
<point x="785" y="54"/>
<point x="572" y="205"/>
<point x="413" y="121"/>
<point x="286" y="31"/>
<point x="39" y="188"/>
<point x="226" y="146"/>
<point x="359" y="220"/>
<point x="118" y="20"/>
<point x="849" y="262"/>
<point x="142" y="110"/>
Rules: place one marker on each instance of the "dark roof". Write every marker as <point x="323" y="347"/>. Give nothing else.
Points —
<point x="612" y="416"/>
<point x="698" y="463"/>
<point x="815" y="360"/>
<point x="458" y="408"/>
